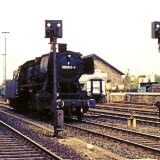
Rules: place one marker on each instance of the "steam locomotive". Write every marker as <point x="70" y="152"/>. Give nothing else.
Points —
<point x="31" y="88"/>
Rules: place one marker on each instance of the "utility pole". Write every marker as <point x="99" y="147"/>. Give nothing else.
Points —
<point x="5" y="69"/>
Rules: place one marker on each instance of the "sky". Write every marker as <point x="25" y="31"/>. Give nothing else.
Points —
<point x="119" y="31"/>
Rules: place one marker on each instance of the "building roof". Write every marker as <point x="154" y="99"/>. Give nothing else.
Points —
<point x="106" y="63"/>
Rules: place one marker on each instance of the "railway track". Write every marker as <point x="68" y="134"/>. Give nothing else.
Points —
<point x="41" y="134"/>
<point x="103" y="132"/>
<point x="120" y="115"/>
<point x="106" y="133"/>
<point x="144" y="111"/>
<point x="124" y="113"/>
<point x="15" y="145"/>
<point x="138" y="139"/>
<point x="129" y="105"/>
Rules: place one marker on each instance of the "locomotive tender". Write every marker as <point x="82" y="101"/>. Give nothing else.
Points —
<point x="31" y="86"/>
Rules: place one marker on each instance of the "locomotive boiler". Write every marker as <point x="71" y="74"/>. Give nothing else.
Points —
<point x="31" y="86"/>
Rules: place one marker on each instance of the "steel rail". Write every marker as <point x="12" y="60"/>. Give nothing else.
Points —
<point x="125" y="116"/>
<point x="115" y="138"/>
<point x="33" y="142"/>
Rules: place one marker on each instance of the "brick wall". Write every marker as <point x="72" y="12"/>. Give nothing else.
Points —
<point x="116" y="97"/>
<point x="137" y="98"/>
<point x="111" y="73"/>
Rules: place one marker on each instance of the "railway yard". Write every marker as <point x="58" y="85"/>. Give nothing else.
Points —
<point x="65" y="104"/>
<point x="106" y="132"/>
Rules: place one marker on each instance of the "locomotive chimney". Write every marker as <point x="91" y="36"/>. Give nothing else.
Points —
<point x="62" y="47"/>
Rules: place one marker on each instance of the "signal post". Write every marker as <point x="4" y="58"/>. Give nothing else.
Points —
<point x="155" y="31"/>
<point x="53" y="30"/>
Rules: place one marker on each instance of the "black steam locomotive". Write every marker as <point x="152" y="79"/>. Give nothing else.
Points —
<point x="31" y="88"/>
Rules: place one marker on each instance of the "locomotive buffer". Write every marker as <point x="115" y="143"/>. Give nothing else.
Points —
<point x="53" y="30"/>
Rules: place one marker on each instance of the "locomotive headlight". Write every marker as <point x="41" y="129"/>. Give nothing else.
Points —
<point x="69" y="56"/>
<point x="68" y="59"/>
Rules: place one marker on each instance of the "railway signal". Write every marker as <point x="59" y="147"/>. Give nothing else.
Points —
<point x="156" y="34"/>
<point x="155" y="30"/>
<point x="53" y="30"/>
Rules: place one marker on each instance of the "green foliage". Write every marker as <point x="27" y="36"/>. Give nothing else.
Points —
<point x="130" y="82"/>
<point x="127" y="81"/>
<point x="157" y="78"/>
<point x="134" y="83"/>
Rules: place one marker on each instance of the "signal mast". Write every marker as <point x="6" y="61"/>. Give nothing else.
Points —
<point x="53" y="30"/>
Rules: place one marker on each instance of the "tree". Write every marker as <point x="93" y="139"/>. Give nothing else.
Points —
<point x="127" y="81"/>
<point x="130" y="82"/>
<point x="134" y="83"/>
<point x="157" y="78"/>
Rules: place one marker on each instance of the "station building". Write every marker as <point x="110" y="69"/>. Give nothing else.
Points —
<point x="105" y="71"/>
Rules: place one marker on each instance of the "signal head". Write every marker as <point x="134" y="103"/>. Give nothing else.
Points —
<point x="53" y="28"/>
<point x="155" y="29"/>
